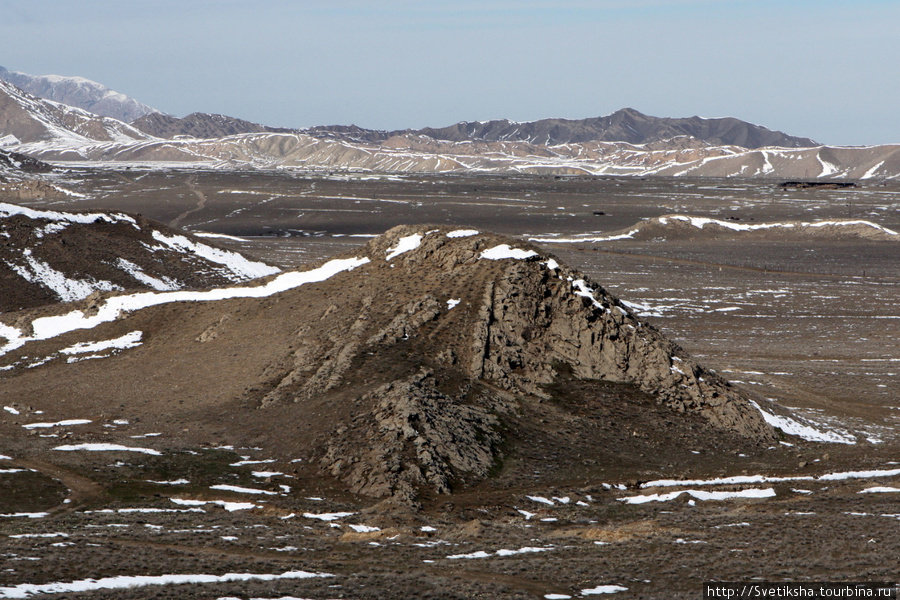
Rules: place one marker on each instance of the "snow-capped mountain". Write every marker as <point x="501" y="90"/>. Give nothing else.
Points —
<point x="27" y="119"/>
<point x="80" y="93"/>
<point x="696" y="147"/>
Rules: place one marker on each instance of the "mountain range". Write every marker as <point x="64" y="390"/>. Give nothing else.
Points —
<point x="626" y="142"/>
<point x="80" y="93"/>
<point x="626" y="125"/>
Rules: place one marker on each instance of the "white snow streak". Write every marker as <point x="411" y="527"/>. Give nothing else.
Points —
<point x="241" y="490"/>
<point x="807" y="432"/>
<point x="500" y="553"/>
<point x="57" y="424"/>
<point x="165" y="284"/>
<point x="26" y="590"/>
<point x="235" y="263"/>
<point x="700" y="495"/>
<point x="67" y="289"/>
<point x="49" y="327"/>
<point x="107" y="448"/>
<point x="9" y="210"/>
<point x="129" y="340"/>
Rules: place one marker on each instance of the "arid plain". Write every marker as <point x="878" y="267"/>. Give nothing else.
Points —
<point x="807" y="317"/>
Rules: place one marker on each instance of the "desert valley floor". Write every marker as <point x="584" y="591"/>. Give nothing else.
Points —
<point x="665" y="503"/>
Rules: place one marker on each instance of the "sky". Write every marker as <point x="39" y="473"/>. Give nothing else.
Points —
<point x="824" y="69"/>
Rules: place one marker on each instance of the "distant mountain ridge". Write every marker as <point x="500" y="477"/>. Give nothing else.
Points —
<point x="80" y="93"/>
<point x="695" y="147"/>
<point x="200" y="125"/>
<point x="626" y="125"/>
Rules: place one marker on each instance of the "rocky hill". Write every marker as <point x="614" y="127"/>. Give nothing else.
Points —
<point x="79" y="92"/>
<point x="626" y="125"/>
<point x="200" y="125"/>
<point x="21" y="178"/>
<point x="48" y="257"/>
<point x="426" y="362"/>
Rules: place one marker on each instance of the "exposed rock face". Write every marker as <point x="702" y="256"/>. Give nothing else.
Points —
<point x="414" y="436"/>
<point x="464" y="329"/>
<point x="13" y="161"/>
<point x="532" y="319"/>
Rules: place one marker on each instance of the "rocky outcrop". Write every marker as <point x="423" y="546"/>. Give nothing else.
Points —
<point x="532" y="319"/>
<point x="444" y="338"/>
<point x="413" y="436"/>
<point x="430" y="361"/>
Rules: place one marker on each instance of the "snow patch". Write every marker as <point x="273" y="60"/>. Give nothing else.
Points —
<point x="603" y="589"/>
<point x="26" y="590"/>
<point x="807" y="432"/>
<point x="107" y="448"/>
<point x="328" y="516"/>
<point x="459" y="233"/>
<point x="504" y="251"/>
<point x="500" y="553"/>
<point x="229" y="506"/>
<point x="880" y="490"/>
<point x="404" y="244"/>
<point x="234" y="262"/>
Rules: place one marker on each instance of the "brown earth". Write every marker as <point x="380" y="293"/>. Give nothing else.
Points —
<point x="812" y="329"/>
<point x="408" y="391"/>
<point x="46" y="257"/>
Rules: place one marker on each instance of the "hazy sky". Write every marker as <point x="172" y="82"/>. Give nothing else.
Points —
<point x="824" y="69"/>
